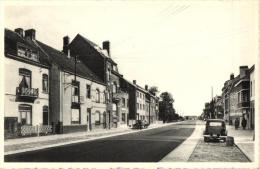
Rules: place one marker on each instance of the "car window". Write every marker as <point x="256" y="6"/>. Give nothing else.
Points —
<point x="215" y="124"/>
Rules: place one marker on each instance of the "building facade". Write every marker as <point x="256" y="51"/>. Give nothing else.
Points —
<point x="236" y="97"/>
<point x="27" y="88"/>
<point x="77" y="101"/>
<point x="100" y="62"/>
<point x="251" y="120"/>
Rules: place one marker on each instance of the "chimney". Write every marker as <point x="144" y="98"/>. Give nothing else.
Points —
<point x="243" y="71"/>
<point x="232" y="76"/>
<point x="66" y="41"/>
<point x="146" y="87"/>
<point x="106" y="46"/>
<point x="134" y="82"/>
<point x="30" y="33"/>
<point x="19" y="31"/>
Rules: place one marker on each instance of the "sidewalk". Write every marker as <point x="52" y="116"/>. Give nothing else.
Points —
<point x="244" y="140"/>
<point x="12" y="146"/>
<point x="187" y="146"/>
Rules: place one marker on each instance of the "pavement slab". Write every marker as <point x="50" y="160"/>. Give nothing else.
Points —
<point x="217" y="152"/>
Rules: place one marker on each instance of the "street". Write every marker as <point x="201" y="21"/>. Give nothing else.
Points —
<point x="146" y="146"/>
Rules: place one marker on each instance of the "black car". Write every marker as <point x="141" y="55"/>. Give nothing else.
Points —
<point x="140" y="124"/>
<point x="215" y="129"/>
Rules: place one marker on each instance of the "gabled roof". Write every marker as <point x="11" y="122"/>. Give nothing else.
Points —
<point x="12" y="39"/>
<point x="68" y="64"/>
<point x="102" y="53"/>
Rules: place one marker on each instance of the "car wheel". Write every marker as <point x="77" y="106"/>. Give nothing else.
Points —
<point x="206" y="139"/>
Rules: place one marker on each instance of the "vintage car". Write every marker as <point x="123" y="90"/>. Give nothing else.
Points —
<point x="215" y="130"/>
<point x="140" y="124"/>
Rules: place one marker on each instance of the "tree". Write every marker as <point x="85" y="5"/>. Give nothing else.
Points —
<point x="154" y="90"/>
<point x="166" y="110"/>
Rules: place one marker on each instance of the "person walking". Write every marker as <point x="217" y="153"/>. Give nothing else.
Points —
<point x="236" y="123"/>
<point x="244" y="123"/>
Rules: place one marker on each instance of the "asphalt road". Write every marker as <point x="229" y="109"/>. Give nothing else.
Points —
<point x="146" y="146"/>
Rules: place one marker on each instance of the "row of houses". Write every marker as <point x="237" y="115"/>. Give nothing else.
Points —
<point x="78" y="88"/>
<point x="238" y="95"/>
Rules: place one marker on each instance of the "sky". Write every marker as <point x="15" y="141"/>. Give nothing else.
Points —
<point x="182" y="47"/>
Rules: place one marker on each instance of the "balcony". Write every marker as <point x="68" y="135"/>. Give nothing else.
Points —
<point x="118" y="95"/>
<point x="29" y="94"/>
<point x="76" y="101"/>
<point x="243" y="104"/>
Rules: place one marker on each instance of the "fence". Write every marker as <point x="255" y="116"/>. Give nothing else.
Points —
<point x="35" y="130"/>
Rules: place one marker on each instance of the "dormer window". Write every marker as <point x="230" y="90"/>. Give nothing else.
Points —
<point x="27" y="53"/>
<point x="115" y="68"/>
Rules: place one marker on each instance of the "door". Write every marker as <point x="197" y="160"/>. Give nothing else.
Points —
<point x="89" y="119"/>
<point x="45" y="115"/>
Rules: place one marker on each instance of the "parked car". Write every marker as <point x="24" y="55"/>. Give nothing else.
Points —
<point x="215" y="130"/>
<point x="140" y="124"/>
<point x="146" y="124"/>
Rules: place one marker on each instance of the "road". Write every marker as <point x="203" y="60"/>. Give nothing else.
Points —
<point x="146" y="146"/>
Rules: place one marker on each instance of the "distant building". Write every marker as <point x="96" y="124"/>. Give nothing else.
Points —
<point x="235" y="95"/>
<point x="218" y="107"/>
<point x="251" y="120"/>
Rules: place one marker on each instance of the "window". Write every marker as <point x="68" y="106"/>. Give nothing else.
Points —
<point x="123" y="117"/>
<point x="75" y="88"/>
<point x="88" y="91"/>
<point x="75" y="116"/>
<point x="97" y="118"/>
<point x="108" y="74"/>
<point x="25" y="114"/>
<point x="114" y="87"/>
<point x="75" y="92"/>
<point x="45" y="85"/>
<point x="27" y="53"/>
<point x="25" y="78"/>
<point x="127" y="102"/>
<point x="97" y="95"/>
<point x="115" y="68"/>
<point x="123" y="102"/>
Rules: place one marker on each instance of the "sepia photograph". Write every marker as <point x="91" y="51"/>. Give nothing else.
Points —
<point x="130" y="82"/>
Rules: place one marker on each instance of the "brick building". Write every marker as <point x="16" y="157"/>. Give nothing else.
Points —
<point x="100" y="62"/>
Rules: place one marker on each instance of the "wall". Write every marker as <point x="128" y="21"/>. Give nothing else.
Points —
<point x="12" y="81"/>
<point x="140" y="101"/>
<point x="55" y="94"/>
<point x="87" y="103"/>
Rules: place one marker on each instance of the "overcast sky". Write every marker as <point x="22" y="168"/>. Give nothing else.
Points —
<point x="183" y="47"/>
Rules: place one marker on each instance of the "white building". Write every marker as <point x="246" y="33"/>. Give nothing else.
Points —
<point x="26" y="84"/>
